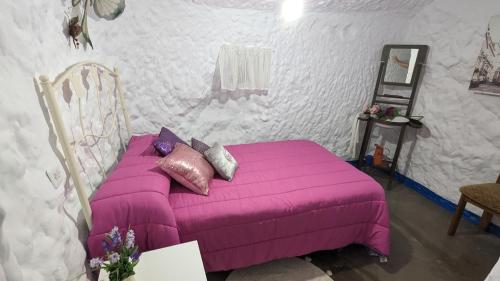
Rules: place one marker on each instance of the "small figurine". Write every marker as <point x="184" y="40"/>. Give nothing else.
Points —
<point x="378" y="156"/>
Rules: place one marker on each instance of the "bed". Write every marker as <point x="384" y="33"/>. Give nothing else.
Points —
<point x="288" y="198"/>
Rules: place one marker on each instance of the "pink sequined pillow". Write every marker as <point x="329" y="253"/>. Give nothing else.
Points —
<point x="188" y="167"/>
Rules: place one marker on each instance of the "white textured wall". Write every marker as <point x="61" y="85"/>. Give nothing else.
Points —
<point x="461" y="142"/>
<point x="38" y="234"/>
<point x="323" y="69"/>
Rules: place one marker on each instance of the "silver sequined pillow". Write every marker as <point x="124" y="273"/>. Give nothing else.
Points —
<point x="222" y="161"/>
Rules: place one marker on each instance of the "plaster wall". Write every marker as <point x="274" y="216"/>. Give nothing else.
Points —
<point x="40" y="226"/>
<point x="323" y="70"/>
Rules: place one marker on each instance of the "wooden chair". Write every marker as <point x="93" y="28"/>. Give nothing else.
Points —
<point x="485" y="196"/>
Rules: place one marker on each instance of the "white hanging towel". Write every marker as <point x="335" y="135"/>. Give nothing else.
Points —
<point x="246" y="68"/>
<point x="353" y="143"/>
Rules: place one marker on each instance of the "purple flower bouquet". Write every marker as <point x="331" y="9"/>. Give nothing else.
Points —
<point x="121" y="256"/>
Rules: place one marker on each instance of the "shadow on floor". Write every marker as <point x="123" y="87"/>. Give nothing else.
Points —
<point x="420" y="247"/>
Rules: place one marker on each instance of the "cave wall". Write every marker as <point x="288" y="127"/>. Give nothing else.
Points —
<point x="40" y="228"/>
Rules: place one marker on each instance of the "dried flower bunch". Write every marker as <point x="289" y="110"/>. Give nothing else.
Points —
<point x="75" y="30"/>
<point x="121" y="256"/>
<point x="380" y="112"/>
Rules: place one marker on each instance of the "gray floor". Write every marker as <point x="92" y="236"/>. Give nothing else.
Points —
<point x="421" y="250"/>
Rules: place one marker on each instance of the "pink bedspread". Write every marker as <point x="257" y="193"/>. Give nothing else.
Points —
<point x="135" y="195"/>
<point x="287" y="199"/>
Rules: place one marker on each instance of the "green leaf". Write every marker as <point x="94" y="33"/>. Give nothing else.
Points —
<point x="85" y="29"/>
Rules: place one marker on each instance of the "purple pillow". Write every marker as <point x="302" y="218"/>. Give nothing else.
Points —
<point x="164" y="148"/>
<point x="166" y="137"/>
<point x="199" y="146"/>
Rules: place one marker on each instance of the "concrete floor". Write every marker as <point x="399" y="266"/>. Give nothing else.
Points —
<point x="421" y="249"/>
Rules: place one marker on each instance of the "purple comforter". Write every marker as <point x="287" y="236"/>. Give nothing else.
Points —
<point x="287" y="199"/>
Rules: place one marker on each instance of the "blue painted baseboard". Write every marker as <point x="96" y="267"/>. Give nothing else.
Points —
<point x="429" y="194"/>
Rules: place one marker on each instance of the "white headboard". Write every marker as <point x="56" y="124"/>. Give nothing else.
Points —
<point x="78" y="80"/>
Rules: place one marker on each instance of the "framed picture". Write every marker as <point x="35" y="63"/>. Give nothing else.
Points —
<point x="486" y="76"/>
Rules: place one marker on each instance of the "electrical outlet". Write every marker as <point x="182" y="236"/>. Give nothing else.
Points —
<point x="55" y="176"/>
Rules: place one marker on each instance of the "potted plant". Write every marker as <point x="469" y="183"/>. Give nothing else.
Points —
<point x="120" y="256"/>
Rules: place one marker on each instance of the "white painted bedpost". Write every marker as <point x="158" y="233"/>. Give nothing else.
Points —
<point x="122" y="101"/>
<point x="49" y="92"/>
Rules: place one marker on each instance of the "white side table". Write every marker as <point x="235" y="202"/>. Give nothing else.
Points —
<point x="174" y="263"/>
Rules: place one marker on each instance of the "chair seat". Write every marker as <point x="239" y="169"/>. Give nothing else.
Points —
<point x="487" y="194"/>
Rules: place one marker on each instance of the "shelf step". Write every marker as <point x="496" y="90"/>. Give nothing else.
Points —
<point x="391" y="102"/>
<point x="394" y="97"/>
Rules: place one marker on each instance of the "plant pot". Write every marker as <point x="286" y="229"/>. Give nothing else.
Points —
<point x="130" y="278"/>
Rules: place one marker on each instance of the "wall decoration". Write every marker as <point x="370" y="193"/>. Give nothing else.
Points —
<point x="106" y="9"/>
<point x="486" y="75"/>
<point x="74" y="30"/>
